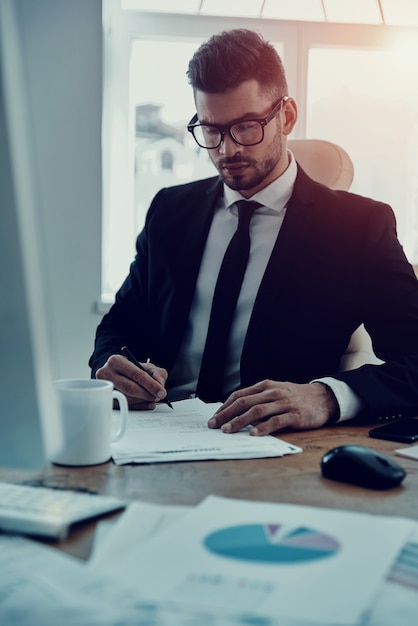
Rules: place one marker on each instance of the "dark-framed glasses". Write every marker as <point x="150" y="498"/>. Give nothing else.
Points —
<point x="245" y="132"/>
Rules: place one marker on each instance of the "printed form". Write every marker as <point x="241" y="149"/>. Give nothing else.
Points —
<point x="182" y="434"/>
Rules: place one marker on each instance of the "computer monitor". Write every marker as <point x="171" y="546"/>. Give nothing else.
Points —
<point x="29" y="419"/>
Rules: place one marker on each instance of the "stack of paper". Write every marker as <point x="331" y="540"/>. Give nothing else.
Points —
<point x="267" y="563"/>
<point x="309" y="567"/>
<point x="182" y="434"/>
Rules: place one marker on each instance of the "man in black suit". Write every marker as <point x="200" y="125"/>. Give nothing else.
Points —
<point x="322" y="262"/>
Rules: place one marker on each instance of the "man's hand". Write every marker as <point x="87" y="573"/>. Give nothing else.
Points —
<point x="142" y="389"/>
<point x="270" y="405"/>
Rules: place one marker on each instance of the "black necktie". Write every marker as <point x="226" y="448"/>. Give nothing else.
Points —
<point x="227" y="289"/>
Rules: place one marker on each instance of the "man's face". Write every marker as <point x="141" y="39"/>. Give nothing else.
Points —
<point x="246" y="168"/>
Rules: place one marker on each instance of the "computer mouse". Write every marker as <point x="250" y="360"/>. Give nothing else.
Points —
<point x="362" y="466"/>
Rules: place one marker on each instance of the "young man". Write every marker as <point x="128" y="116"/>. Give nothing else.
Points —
<point x="321" y="263"/>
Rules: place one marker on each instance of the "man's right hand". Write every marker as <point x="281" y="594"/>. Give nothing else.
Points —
<point x="142" y="389"/>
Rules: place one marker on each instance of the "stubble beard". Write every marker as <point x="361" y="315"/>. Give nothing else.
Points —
<point x="261" y="169"/>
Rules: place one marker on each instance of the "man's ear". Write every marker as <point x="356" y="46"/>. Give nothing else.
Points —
<point x="289" y="115"/>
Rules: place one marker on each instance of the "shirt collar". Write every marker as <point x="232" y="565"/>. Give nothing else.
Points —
<point x="275" y="196"/>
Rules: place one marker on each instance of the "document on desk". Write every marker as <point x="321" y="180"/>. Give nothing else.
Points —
<point x="41" y="586"/>
<point x="182" y="434"/>
<point x="304" y="564"/>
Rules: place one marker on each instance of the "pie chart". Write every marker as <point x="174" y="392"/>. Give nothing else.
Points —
<point x="271" y="543"/>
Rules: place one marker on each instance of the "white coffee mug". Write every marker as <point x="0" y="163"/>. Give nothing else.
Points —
<point x="86" y="413"/>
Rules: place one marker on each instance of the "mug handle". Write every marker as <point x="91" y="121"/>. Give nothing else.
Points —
<point x="123" y="413"/>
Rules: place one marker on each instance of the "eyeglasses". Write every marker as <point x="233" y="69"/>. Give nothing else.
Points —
<point x="245" y="132"/>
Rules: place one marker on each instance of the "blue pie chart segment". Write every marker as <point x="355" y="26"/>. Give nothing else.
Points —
<point x="271" y="543"/>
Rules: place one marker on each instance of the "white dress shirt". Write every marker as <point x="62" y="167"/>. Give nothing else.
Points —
<point x="264" y="229"/>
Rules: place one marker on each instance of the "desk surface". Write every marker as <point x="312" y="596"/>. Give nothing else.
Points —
<point x="292" y="479"/>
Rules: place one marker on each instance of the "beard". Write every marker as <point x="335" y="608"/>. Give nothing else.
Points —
<point x="258" y="171"/>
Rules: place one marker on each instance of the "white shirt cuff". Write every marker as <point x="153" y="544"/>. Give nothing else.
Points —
<point x="349" y="402"/>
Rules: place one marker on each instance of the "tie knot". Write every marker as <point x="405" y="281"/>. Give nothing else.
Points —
<point x="246" y="210"/>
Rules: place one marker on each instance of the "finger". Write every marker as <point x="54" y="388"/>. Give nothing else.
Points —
<point x="157" y="373"/>
<point x="266" y="416"/>
<point x="138" y="384"/>
<point x="241" y="393"/>
<point x="263" y="391"/>
<point x="152" y="380"/>
<point x="130" y="380"/>
<point x="137" y="405"/>
<point x="234" y="405"/>
<point x="240" y="402"/>
<point x="272" y="425"/>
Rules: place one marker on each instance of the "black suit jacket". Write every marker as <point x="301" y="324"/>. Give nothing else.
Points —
<point x="336" y="263"/>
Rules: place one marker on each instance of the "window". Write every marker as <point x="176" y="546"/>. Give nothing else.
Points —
<point x="165" y="152"/>
<point x="376" y="121"/>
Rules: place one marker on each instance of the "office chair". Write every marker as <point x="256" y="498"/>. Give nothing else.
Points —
<point x="330" y="165"/>
<point x="324" y="161"/>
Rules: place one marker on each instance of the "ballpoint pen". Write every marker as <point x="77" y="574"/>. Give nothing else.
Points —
<point x="135" y="361"/>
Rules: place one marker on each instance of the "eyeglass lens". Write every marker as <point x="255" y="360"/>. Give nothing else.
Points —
<point x="245" y="133"/>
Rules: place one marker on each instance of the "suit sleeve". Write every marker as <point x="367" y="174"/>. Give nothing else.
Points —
<point x="390" y="297"/>
<point x="129" y="321"/>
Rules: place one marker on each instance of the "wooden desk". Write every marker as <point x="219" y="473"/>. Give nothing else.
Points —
<point x="291" y="479"/>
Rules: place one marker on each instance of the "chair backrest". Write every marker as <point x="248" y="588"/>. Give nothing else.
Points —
<point x="359" y="351"/>
<point x="330" y="164"/>
<point x="323" y="161"/>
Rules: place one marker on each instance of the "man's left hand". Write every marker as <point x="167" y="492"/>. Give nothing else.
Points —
<point x="270" y="406"/>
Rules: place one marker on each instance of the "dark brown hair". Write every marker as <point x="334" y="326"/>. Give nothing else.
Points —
<point x="232" y="57"/>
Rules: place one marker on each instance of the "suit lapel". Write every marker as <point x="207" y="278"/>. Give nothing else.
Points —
<point x="192" y="238"/>
<point x="189" y="244"/>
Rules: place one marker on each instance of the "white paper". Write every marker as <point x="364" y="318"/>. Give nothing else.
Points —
<point x="182" y="434"/>
<point x="41" y="586"/>
<point x="405" y="570"/>
<point x="411" y="452"/>
<point x="142" y="520"/>
<point x="397" y="600"/>
<point x="337" y="588"/>
<point x="139" y="522"/>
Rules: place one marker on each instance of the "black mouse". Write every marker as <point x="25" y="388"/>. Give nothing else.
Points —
<point x="362" y="466"/>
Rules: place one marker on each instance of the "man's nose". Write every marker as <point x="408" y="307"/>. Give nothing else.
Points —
<point x="228" y="146"/>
